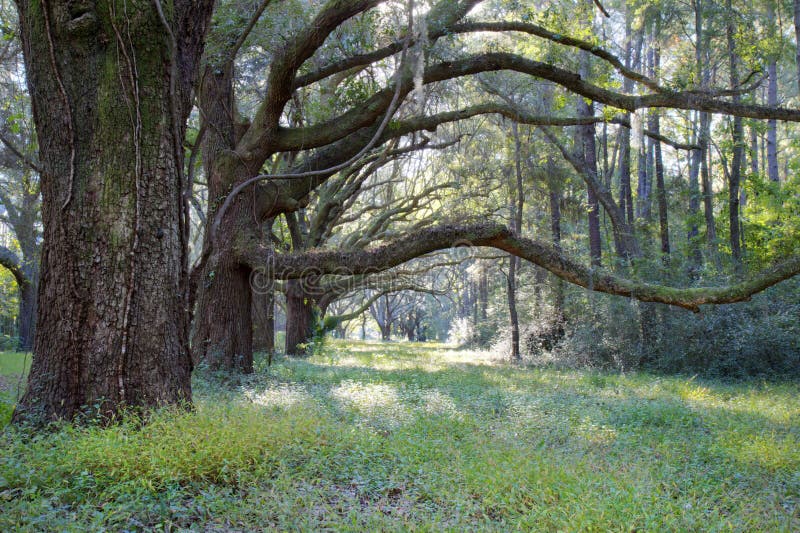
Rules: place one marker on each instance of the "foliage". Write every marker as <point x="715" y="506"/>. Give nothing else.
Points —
<point x="9" y="302"/>
<point x="756" y="339"/>
<point x="416" y="436"/>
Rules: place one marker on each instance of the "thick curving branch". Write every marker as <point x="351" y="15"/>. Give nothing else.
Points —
<point x="544" y="255"/>
<point x="439" y="23"/>
<point x="365" y="114"/>
<point x="283" y="70"/>
<point x="11" y="262"/>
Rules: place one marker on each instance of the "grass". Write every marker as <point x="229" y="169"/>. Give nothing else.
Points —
<point x="13" y="369"/>
<point x="419" y="437"/>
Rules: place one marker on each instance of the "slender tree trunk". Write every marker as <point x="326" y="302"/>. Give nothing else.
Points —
<point x="772" y="101"/>
<point x="112" y="323"/>
<point x="386" y="330"/>
<point x="708" y="193"/>
<point x="738" y="149"/>
<point x="643" y="187"/>
<point x="796" y="5"/>
<point x="704" y="136"/>
<point x="517" y="202"/>
<point x="753" y="149"/>
<point x="484" y="292"/>
<point x="695" y="257"/>
<point x="661" y="193"/>
<point x="587" y="141"/>
<point x="555" y="230"/>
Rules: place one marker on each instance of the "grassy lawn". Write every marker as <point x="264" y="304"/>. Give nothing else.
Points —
<point x="398" y="437"/>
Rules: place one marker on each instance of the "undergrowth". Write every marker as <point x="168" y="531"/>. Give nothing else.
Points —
<point x="413" y="436"/>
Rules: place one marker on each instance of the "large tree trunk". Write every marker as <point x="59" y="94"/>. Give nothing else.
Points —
<point x="299" y="318"/>
<point x="112" y="322"/>
<point x="222" y="337"/>
<point x="264" y="321"/>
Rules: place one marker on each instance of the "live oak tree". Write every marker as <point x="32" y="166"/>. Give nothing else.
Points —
<point x="112" y="85"/>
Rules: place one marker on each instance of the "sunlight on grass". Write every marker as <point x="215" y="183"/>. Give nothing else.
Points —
<point x="370" y="436"/>
<point x="281" y="395"/>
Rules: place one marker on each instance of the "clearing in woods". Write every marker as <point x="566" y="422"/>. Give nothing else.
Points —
<point x="370" y="436"/>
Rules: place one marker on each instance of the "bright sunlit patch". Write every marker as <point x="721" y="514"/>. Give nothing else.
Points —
<point x="372" y="400"/>
<point x="597" y="434"/>
<point x="769" y="451"/>
<point x="435" y="402"/>
<point x="280" y="395"/>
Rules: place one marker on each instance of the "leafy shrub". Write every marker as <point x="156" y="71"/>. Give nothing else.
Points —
<point x="9" y="343"/>
<point x="760" y="338"/>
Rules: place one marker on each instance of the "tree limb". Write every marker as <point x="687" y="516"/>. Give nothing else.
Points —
<point x="544" y="255"/>
<point x="22" y="157"/>
<point x="10" y="261"/>
<point x="365" y="114"/>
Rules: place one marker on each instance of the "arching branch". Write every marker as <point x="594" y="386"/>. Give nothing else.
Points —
<point x="284" y="68"/>
<point x="10" y="261"/>
<point x="365" y="114"/>
<point x="439" y="20"/>
<point x="542" y="254"/>
<point x="18" y="153"/>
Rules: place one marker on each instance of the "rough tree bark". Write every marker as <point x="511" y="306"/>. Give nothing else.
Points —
<point x="222" y="330"/>
<point x="110" y="92"/>
<point x="292" y="266"/>
<point x="299" y="317"/>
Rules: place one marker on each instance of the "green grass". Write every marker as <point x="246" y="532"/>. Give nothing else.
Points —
<point x="13" y="368"/>
<point x="398" y="437"/>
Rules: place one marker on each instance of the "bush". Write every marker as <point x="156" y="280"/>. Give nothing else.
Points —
<point x="9" y="343"/>
<point x="760" y="338"/>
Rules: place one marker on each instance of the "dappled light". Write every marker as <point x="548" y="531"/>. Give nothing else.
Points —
<point x="400" y="435"/>
<point x="399" y="265"/>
